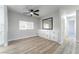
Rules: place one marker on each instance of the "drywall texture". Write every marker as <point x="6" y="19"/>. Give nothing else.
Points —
<point x="13" y="26"/>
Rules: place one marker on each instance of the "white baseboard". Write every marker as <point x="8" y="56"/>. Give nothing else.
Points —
<point x="21" y="38"/>
<point x="29" y="37"/>
<point x="51" y="40"/>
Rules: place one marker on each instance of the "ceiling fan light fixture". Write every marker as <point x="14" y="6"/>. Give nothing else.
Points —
<point x="31" y="13"/>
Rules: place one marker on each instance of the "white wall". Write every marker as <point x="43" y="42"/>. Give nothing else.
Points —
<point x="13" y="25"/>
<point x="55" y="33"/>
<point x="6" y="25"/>
<point x="66" y="11"/>
<point x="3" y="25"/>
<point x="77" y="25"/>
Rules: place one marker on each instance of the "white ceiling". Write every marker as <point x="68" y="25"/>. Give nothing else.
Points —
<point x="44" y="9"/>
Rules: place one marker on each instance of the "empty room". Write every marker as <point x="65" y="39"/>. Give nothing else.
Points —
<point x="39" y="29"/>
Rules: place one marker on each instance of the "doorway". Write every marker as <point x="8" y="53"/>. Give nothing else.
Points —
<point x="70" y="24"/>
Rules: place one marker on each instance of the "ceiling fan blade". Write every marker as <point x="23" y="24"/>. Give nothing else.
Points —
<point x="31" y="10"/>
<point x="36" y="14"/>
<point x="36" y="11"/>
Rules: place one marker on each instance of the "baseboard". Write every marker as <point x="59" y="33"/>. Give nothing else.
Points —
<point x="21" y="38"/>
<point x="30" y="37"/>
<point x="51" y="40"/>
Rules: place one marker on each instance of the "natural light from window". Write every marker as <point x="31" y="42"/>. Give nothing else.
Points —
<point x="46" y="25"/>
<point x="24" y="25"/>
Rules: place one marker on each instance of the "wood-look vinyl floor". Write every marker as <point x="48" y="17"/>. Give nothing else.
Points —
<point x="33" y="45"/>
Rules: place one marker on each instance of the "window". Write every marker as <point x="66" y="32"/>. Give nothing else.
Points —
<point x="23" y="25"/>
<point x="46" y="25"/>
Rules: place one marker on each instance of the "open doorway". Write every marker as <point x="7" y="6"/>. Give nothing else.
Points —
<point x="70" y="26"/>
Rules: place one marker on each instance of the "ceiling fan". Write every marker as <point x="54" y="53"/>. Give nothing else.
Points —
<point x="32" y="12"/>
